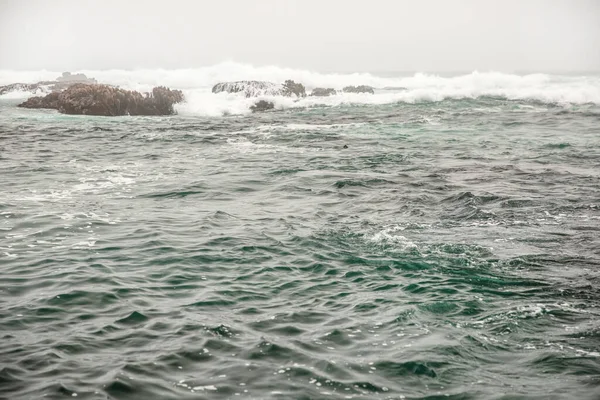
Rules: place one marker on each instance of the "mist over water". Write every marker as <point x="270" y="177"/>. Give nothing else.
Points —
<point x="196" y="83"/>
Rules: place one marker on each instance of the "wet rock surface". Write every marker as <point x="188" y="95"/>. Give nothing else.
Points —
<point x="248" y="88"/>
<point x="359" y="89"/>
<point x="261" y="88"/>
<point x="48" y="101"/>
<point x="323" y="92"/>
<point x="105" y="100"/>
<point x="262" y="105"/>
<point x="291" y="88"/>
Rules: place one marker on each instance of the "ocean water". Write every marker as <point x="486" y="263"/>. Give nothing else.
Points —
<point x="440" y="241"/>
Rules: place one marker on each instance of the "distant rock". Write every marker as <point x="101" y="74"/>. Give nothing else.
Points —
<point x="96" y="99"/>
<point x="67" y="79"/>
<point x="399" y="88"/>
<point x="262" y="105"/>
<point x="26" y="87"/>
<point x="261" y="88"/>
<point x="76" y="78"/>
<point x="359" y="89"/>
<point x="61" y="83"/>
<point x="322" y="92"/>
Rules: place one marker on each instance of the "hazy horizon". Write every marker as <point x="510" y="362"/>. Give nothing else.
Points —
<point x="379" y="73"/>
<point x="337" y="36"/>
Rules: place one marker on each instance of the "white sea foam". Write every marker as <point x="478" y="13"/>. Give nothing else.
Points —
<point x="268" y="129"/>
<point x="208" y="387"/>
<point x="20" y="94"/>
<point x="391" y="236"/>
<point x="197" y="83"/>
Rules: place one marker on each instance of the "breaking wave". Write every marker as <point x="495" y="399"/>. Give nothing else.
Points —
<point x="420" y="87"/>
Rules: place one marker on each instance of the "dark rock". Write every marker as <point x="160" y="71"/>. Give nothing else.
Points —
<point x="262" y="105"/>
<point x="322" y="92"/>
<point x="96" y="99"/>
<point x="345" y="146"/>
<point x="163" y="99"/>
<point x="48" y="101"/>
<point x="359" y="89"/>
<point x="291" y="88"/>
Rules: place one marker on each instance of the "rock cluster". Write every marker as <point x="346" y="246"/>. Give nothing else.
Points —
<point x="289" y="89"/>
<point x="96" y="99"/>
<point x="78" y="94"/>
<point x="248" y="88"/>
<point x="261" y="88"/>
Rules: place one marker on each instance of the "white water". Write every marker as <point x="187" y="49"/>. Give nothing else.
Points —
<point x="197" y="83"/>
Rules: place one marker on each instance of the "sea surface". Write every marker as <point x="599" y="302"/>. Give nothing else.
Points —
<point x="437" y="240"/>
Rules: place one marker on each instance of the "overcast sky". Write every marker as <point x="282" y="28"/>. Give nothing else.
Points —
<point x="323" y="35"/>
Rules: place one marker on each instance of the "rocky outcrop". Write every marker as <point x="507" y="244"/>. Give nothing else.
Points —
<point x="248" y="88"/>
<point x="322" y="92"/>
<point x="261" y="88"/>
<point x="61" y="83"/>
<point x="26" y="87"/>
<point x="291" y="88"/>
<point x="48" y="101"/>
<point x="95" y="99"/>
<point x="262" y="105"/>
<point x="359" y="89"/>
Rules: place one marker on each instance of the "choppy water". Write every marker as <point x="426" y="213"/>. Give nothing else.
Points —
<point x="451" y="251"/>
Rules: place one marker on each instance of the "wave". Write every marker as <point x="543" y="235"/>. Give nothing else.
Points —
<point x="420" y="87"/>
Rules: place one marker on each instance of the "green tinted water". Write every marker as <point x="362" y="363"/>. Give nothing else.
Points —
<point x="451" y="251"/>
